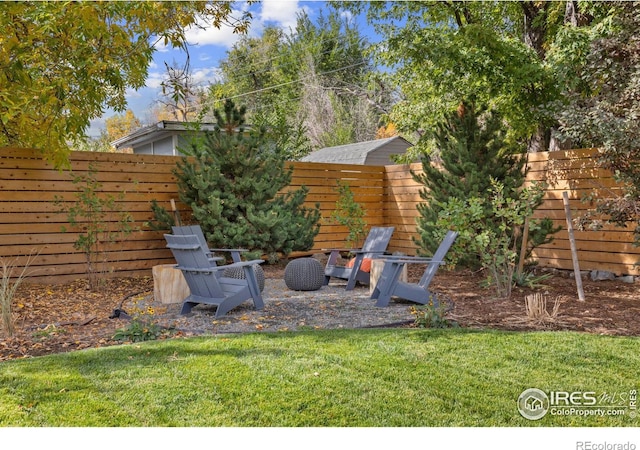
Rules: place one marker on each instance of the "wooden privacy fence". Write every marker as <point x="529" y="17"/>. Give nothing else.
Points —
<point x="574" y="171"/>
<point x="577" y="173"/>
<point x="35" y="198"/>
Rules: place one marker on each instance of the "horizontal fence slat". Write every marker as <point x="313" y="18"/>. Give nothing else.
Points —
<point x="35" y="198"/>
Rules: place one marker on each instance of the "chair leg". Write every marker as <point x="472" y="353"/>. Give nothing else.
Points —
<point x="351" y="282"/>
<point x="388" y="280"/>
<point x="382" y="282"/>
<point x="254" y="289"/>
<point x="382" y="286"/>
<point x="186" y="307"/>
<point x="331" y="263"/>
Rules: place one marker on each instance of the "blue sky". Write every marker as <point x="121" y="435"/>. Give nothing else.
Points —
<point x="208" y="47"/>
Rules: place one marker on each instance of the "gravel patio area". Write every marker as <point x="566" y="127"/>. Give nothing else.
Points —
<point x="331" y="307"/>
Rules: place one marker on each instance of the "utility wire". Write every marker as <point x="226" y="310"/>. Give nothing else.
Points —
<point x="294" y="81"/>
<point x="293" y="99"/>
<point x="285" y="64"/>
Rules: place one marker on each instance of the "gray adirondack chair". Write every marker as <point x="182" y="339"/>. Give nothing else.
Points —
<point x="390" y="285"/>
<point x="205" y="285"/>
<point x="374" y="246"/>
<point x="197" y="231"/>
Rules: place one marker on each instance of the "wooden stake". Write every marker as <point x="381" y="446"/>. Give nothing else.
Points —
<point x="176" y="213"/>
<point x="523" y="247"/>
<point x="572" y="241"/>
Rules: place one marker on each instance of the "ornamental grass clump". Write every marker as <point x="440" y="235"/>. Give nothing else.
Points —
<point x="536" y="306"/>
<point x="8" y="286"/>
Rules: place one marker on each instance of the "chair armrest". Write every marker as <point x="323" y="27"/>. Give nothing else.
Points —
<point x="244" y="263"/>
<point x="411" y="260"/>
<point x="235" y="252"/>
<point x="218" y="268"/>
<point x="333" y="257"/>
<point x="201" y="269"/>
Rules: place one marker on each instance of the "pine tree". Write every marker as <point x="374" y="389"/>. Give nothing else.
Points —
<point x="473" y="150"/>
<point x="231" y="180"/>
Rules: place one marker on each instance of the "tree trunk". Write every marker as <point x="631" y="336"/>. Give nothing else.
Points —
<point x="535" y="25"/>
<point x="535" y="32"/>
<point x="573" y="16"/>
<point x="539" y="142"/>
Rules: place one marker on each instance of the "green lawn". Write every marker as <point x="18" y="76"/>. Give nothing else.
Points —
<point x="378" y="378"/>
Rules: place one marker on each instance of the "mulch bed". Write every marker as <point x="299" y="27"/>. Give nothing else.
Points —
<point x="58" y="318"/>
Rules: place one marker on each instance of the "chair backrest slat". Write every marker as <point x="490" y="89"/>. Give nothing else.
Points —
<point x="377" y="240"/>
<point x="438" y="258"/>
<point x="189" y="254"/>
<point x="194" y="230"/>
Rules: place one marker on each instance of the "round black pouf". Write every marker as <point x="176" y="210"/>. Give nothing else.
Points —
<point x="304" y="274"/>
<point x="238" y="273"/>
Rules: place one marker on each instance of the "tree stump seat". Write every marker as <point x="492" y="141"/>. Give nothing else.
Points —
<point x="169" y="285"/>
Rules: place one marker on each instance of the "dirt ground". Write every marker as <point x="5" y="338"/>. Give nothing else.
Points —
<point x="59" y="318"/>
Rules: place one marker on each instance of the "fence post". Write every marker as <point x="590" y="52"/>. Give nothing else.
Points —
<point x="572" y="241"/>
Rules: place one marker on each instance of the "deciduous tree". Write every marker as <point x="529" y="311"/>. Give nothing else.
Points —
<point x="602" y="83"/>
<point x="442" y="53"/>
<point x="62" y="63"/>
<point x="120" y="125"/>
<point x="317" y="78"/>
<point x="180" y="95"/>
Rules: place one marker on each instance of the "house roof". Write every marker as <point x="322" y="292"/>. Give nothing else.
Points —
<point x="158" y="131"/>
<point x="351" y="153"/>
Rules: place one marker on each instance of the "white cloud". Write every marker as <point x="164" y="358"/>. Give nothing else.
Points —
<point x="154" y="79"/>
<point x="209" y="35"/>
<point x="282" y="12"/>
<point x="205" y="34"/>
<point x="346" y="15"/>
<point x="132" y="93"/>
<point x="203" y="76"/>
<point x="96" y="126"/>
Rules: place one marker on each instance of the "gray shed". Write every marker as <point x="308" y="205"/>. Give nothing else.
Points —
<point x="372" y="153"/>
